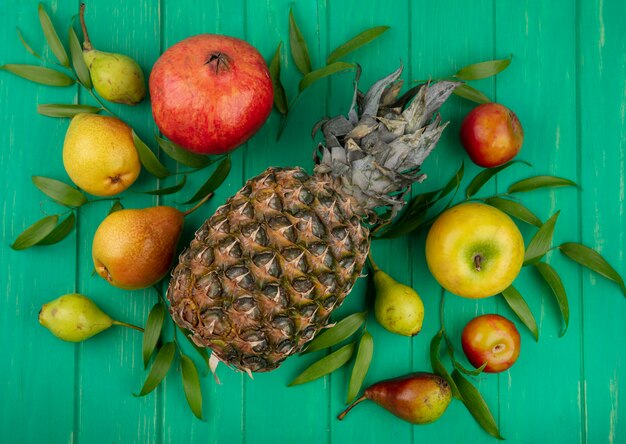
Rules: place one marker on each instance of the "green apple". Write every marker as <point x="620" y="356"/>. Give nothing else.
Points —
<point x="474" y="250"/>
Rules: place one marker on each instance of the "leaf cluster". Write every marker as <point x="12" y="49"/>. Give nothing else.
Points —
<point x="338" y="333"/>
<point x="302" y="60"/>
<point x="165" y="353"/>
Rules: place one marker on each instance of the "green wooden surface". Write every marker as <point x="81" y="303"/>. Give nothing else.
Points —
<point x="566" y="83"/>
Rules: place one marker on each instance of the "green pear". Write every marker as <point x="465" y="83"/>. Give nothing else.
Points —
<point x="397" y="307"/>
<point x="116" y="77"/>
<point x="134" y="249"/>
<point x="74" y="318"/>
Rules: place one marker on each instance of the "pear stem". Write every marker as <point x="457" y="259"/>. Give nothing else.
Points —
<point x="198" y="205"/>
<point x="350" y="407"/>
<point x="372" y="263"/>
<point x="124" y="324"/>
<point x="86" y="42"/>
<point x="101" y="104"/>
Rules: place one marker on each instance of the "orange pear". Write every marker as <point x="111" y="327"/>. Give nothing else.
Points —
<point x="134" y="249"/>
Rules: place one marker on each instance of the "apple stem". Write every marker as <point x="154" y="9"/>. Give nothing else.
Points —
<point x="350" y="407"/>
<point x="198" y="205"/>
<point x="372" y="263"/>
<point x="478" y="259"/>
<point x="124" y="324"/>
<point x="86" y="43"/>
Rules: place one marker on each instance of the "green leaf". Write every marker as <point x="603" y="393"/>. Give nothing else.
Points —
<point x="78" y="62"/>
<point x="355" y="43"/>
<point x="39" y="74"/>
<point x="519" y="306"/>
<point x="168" y="190"/>
<point x="337" y="333"/>
<point x="437" y="365"/>
<point x="321" y="73"/>
<point x="475" y="372"/>
<point x="299" y="50"/>
<point x="148" y="159"/>
<point x="181" y="155"/>
<point x="326" y="365"/>
<point x="35" y="233"/>
<point x="26" y="45"/>
<point x="534" y="183"/>
<point x="454" y="182"/>
<point x="152" y="331"/>
<point x="61" y="110"/>
<point x="472" y="94"/>
<point x="214" y="181"/>
<point x="591" y="259"/>
<point x="201" y="351"/>
<point x="483" y="177"/>
<point x="159" y="369"/>
<point x="515" y="209"/>
<point x="361" y="365"/>
<point x="482" y="70"/>
<point x="191" y="385"/>
<point x="60" y="232"/>
<point x="59" y="191"/>
<point x="52" y="37"/>
<point x="540" y="243"/>
<point x="476" y="405"/>
<point x="280" y="98"/>
<point x="550" y="275"/>
<point x="117" y="206"/>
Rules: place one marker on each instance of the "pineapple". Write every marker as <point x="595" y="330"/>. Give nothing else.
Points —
<point x="264" y="273"/>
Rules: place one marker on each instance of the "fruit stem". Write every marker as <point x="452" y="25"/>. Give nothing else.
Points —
<point x="86" y="42"/>
<point x="350" y="407"/>
<point x="101" y="104"/>
<point x="372" y="263"/>
<point x="478" y="259"/>
<point x="124" y="324"/>
<point x="198" y="205"/>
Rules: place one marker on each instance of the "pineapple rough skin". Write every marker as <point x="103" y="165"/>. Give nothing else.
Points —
<point x="263" y="274"/>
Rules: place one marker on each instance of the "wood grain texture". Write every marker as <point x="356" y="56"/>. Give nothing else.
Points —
<point x="566" y="83"/>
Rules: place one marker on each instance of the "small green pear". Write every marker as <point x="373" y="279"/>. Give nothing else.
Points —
<point x="116" y="77"/>
<point x="397" y="307"/>
<point x="74" y="318"/>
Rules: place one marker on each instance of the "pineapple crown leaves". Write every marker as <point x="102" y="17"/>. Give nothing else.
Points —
<point x="376" y="152"/>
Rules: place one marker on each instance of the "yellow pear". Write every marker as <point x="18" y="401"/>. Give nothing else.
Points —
<point x="397" y="307"/>
<point x="74" y="318"/>
<point x="134" y="249"/>
<point x="116" y="77"/>
<point x="99" y="154"/>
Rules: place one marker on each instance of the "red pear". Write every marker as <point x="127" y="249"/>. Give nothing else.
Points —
<point x="419" y="398"/>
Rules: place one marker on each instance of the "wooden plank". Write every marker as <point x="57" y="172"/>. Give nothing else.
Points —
<point x="543" y="71"/>
<point x="602" y="123"/>
<point x="445" y="37"/>
<point x="110" y="367"/>
<point x="391" y="352"/>
<point x="31" y="143"/>
<point x="295" y="413"/>
<point x="223" y="404"/>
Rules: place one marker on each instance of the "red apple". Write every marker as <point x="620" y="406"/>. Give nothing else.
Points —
<point x="492" y="339"/>
<point x="210" y="93"/>
<point x="492" y="135"/>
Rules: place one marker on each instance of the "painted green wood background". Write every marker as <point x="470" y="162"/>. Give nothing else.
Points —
<point x="567" y="83"/>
